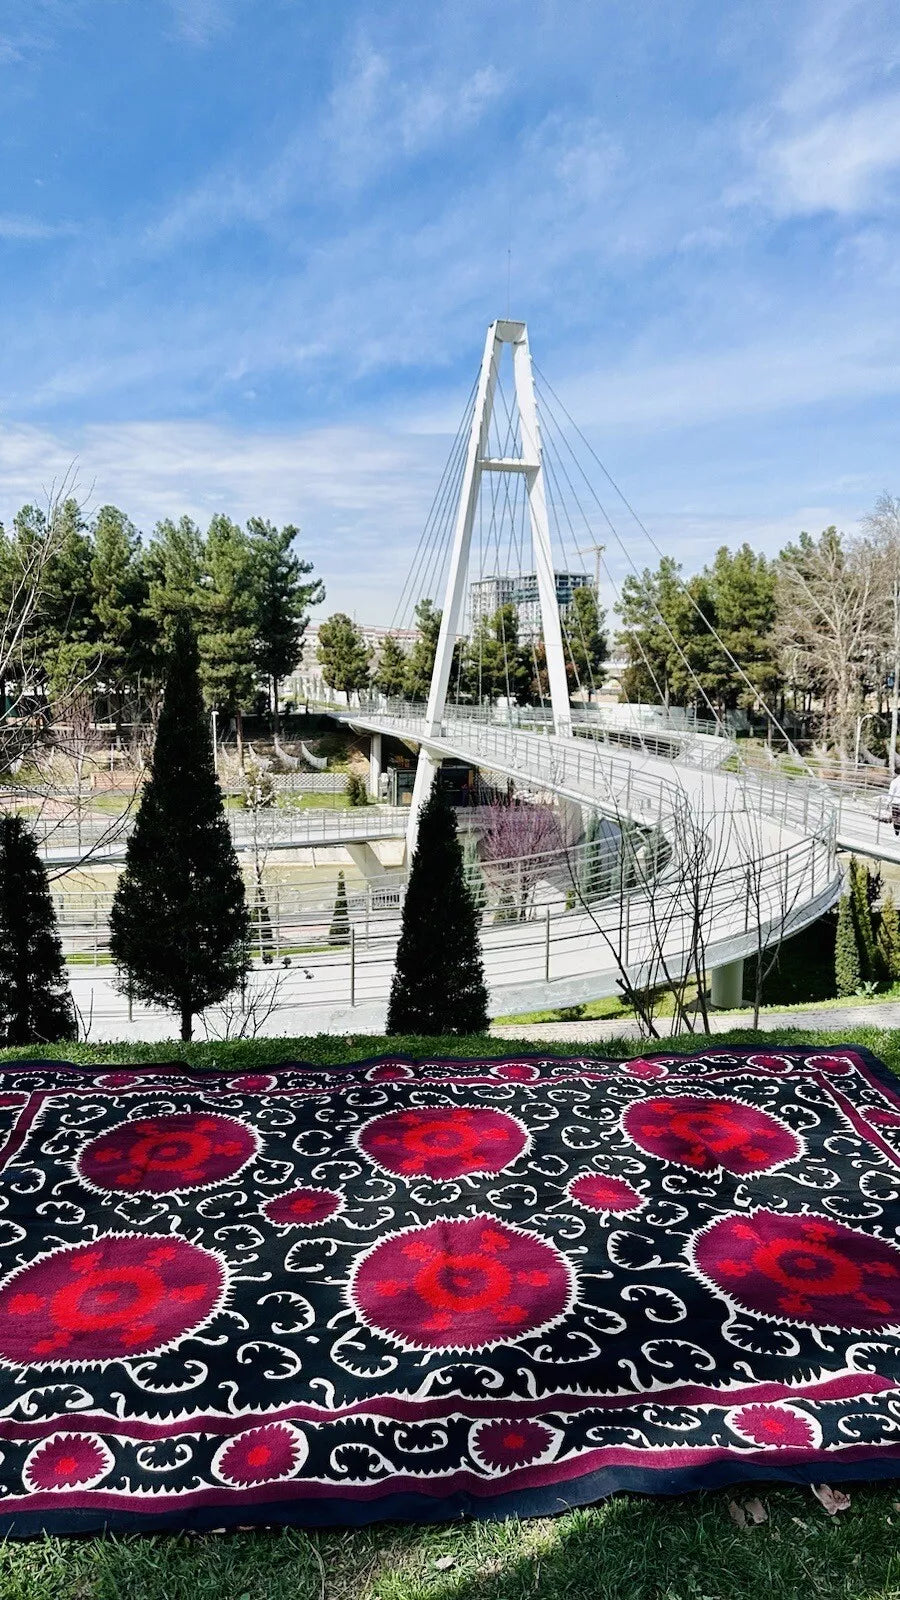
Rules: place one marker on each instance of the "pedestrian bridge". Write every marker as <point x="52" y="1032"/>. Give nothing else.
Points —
<point x="751" y="859"/>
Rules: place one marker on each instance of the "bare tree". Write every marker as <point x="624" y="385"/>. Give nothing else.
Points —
<point x="827" y="613"/>
<point x="517" y="841"/>
<point x="883" y="527"/>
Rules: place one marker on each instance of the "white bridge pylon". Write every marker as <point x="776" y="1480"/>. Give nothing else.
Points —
<point x="478" y="461"/>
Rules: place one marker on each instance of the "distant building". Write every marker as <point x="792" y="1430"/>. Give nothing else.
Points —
<point x="487" y="595"/>
<point x="306" y="681"/>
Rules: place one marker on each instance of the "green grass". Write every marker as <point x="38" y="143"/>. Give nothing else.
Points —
<point x="629" y="1548"/>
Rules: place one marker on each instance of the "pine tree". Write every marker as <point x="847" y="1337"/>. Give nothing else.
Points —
<point x="172" y="565"/>
<point x="35" y="1003"/>
<point x="889" y="937"/>
<point x="227" y="636"/>
<point x="420" y="661"/>
<point x="586" y="645"/>
<point x="119" y="582"/>
<point x="179" y="925"/>
<point x="339" y="932"/>
<point x="847" y="968"/>
<point x="389" y="677"/>
<point x="281" y="600"/>
<point x="869" y="955"/>
<point x="438" y="984"/>
<point x="343" y="654"/>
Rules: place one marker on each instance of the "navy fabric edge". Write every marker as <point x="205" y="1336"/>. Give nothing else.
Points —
<point x="554" y="1500"/>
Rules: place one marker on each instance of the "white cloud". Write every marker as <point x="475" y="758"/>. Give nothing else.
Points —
<point x="25" y="228"/>
<point x="199" y="22"/>
<point x="378" y="115"/>
<point x="841" y="163"/>
<point x="359" y="495"/>
<point x="830" y="141"/>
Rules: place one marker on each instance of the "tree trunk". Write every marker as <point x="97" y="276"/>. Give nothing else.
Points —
<point x="187" y="1019"/>
<point x="275" y="704"/>
<point x="895" y="685"/>
<point x="239" y="733"/>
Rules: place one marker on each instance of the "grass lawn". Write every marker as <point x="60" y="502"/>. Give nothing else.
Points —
<point x="629" y="1548"/>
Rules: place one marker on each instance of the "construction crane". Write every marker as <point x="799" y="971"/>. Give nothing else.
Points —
<point x="595" y="550"/>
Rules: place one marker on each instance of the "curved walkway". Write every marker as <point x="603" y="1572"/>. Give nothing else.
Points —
<point x="821" y="1019"/>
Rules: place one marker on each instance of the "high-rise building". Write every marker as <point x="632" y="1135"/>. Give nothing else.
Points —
<point x="487" y="595"/>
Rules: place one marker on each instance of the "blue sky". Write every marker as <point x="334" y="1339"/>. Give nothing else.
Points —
<point x="250" y="248"/>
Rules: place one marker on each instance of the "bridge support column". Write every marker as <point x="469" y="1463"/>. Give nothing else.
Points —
<point x="727" y="987"/>
<point x="364" y="858"/>
<point x="374" y="765"/>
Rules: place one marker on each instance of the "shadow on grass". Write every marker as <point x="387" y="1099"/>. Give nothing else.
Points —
<point x="626" y="1549"/>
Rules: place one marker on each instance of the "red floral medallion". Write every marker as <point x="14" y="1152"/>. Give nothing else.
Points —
<point x="123" y="1295"/>
<point x="639" y="1068"/>
<point x="775" y="1426"/>
<point x="708" y="1134"/>
<point x="302" y="1208"/>
<point x="503" y="1446"/>
<point x="162" y="1155"/>
<point x="389" y="1072"/>
<point x="443" y="1142"/>
<point x="462" y="1285"/>
<point x="261" y="1455"/>
<point x="254" y="1082"/>
<point x="597" y="1192"/>
<point x="516" y="1072"/>
<point x="806" y="1268"/>
<point x="67" y="1461"/>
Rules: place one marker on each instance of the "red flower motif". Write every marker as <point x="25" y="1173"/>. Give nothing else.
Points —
<point x="442" y="1142"/>
<point x="67" y="1461"/>
<point x="254" y="1082"/>
<point x="124" y="1295"/>
<point x="645" y="1069"/>
<point x="261" y="1455"/>
<point x="503" y="1446"/>
<point x="707" y="1134"/>
<point x="389" y="1072"/>
<point x="516" y="1071"/>
<point x="882" y="1118"/>
<point x="302" y="1208"/>
<point x="808" y="1269"/>
<point x="166" y="1154"/>
<point x="597" y="1192"/>
<point x="461" y="1285"/>
<point x="775" y="1426"/>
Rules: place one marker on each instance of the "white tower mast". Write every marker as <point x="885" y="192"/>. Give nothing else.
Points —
<point x="478" y="461"/>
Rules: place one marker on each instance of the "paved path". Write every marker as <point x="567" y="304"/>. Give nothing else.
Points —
<point x="831" y="1019"/>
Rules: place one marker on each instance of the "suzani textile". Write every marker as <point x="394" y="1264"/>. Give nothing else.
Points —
<point x="425" y="1290"/>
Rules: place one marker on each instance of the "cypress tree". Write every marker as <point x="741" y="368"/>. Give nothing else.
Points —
<point x="438" y="984"/>
<point x="847" y="969"/>
<point x="35" y="1003"/>
<point x="869" y="955"/>
<point x="889" y="937"/>
<point x="339" y="932"/>
<point x="179" y="925"/>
